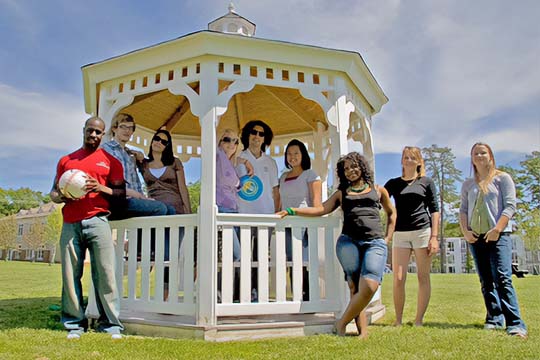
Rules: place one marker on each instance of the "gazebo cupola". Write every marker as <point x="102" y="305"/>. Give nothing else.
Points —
<point x="232" y="23"/>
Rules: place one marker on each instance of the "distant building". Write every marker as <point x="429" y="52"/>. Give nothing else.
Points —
<point x="459" y="260"/>
<point x="25" y="220"/>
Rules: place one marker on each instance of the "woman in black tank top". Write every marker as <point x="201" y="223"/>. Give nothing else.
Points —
<point x="361" y="248"/>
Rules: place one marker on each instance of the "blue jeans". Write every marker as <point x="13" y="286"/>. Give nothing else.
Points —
<point x="494" y="267"/>
<point x="141" y="207"/>
<point x="236" y="233"/>
<point x="361" y="258"/>
<point x="94" y="235"/>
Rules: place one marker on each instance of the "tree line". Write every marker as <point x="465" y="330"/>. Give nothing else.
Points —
<point x="440" y="166"/>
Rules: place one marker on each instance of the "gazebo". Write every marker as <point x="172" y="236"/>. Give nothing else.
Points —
<point x="196" y="86"/>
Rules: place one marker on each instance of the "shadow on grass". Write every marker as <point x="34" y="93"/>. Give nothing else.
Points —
<point x="33" y="313"/>
<point x="437" y="325"/>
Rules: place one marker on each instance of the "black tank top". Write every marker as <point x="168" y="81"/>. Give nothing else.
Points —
<point x="361" y="218"/>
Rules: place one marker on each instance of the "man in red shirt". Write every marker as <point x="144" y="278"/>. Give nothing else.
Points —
<point x="86" y="228"/>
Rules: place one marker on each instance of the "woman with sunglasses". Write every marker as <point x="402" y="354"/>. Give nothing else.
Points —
<point x="227" y="179"/>
<point x="164" y="175"/>
<point x="166" y="182"/>
<point x="417" y="226"/>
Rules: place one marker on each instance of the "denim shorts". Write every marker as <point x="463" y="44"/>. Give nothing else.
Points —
<point x="362" y="258"/>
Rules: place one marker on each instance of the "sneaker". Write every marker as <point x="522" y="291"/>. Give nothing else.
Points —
<point x="493" y="327"/>
<point x="519" y="332"/>
<point x="117" y="336"/>
<point x="74" y="334"/>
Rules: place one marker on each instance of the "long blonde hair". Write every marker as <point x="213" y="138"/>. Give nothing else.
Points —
<point x="229" y="132"/>
<point x="417" y="153"/>
<point x="492" y="168"/>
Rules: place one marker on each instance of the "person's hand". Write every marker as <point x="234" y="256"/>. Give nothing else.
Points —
<point x="282" y="213"/>
<point x="493" y="235"/>
<point x="139" y="156"/>
<point x="249" y="168"/>
<point x="387" y="240"/>
<point x="130" y="193"/>
<point x="433" y="246"/>
<point x="92" y="185"/>
<point x="470" y="237"/>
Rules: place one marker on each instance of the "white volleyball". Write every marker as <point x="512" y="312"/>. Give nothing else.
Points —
<point x="72" y="183"/>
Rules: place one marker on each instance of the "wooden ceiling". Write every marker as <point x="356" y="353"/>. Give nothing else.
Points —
<point x="284" y="110"/>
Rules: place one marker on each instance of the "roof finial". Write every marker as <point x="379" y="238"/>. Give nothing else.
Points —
<point x="231" y="7"/>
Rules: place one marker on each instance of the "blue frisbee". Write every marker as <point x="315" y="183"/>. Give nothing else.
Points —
<point x="251" y="188"/>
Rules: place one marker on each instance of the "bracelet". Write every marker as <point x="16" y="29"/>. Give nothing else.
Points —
<point x="291" y="211"/>
<point x="434" y="236"/>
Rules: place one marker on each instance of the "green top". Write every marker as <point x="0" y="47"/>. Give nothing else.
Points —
<point x="480" y="216"/>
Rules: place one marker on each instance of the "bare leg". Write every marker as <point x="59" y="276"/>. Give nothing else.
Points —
<point x="358" y="303"/>
<point x="400" y="263"/>
<point x="362" y="325"/>
<point x="423" y="267"/>
<point x="361" y="319"/>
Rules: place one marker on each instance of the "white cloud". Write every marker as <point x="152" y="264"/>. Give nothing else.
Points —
<point x="52" y="121"/>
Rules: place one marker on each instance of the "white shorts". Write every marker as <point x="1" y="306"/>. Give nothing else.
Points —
<point x="416" y="239"/>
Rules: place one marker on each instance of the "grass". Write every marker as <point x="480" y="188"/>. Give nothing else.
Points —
<point x="30" y="329"/>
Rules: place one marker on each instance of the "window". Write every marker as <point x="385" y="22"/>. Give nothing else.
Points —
<point x="21" y="228"/>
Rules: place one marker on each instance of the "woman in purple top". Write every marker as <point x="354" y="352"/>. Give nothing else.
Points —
<point x="227" y="180"/>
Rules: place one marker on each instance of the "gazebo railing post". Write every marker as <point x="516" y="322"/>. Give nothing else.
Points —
<point x="207" y="234"/>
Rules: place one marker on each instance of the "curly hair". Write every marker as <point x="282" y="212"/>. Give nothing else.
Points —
<point x="361" y="162"/>
<point x="268" y="134"/>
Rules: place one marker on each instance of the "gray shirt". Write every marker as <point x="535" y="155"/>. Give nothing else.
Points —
<point x="500" y="199"/>
<point x="295" y="192"/>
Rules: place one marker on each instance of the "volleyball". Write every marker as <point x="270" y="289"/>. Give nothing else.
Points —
<point x="72" y="183"/>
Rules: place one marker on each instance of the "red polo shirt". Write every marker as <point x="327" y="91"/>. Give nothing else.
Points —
<point x="98" y="164"/>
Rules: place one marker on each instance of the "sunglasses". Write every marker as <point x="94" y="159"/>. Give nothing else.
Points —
<point x="229" y="140"/>
<point x="164" y="142"/>
<point x="257" y="133"/>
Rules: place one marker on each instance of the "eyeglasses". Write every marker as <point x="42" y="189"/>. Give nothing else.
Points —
<point x="164" y="142"/>
<point x="257" y="133"/>
<point x="229" y="140"/>
<point x="125" y="127"/>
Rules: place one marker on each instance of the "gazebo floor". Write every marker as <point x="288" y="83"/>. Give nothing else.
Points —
<point x="231" y="328"/>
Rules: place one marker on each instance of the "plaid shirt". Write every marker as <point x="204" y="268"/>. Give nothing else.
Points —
<point x="128" y="163"/>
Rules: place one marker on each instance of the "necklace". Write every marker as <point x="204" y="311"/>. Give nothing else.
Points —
<point x="358" y="190"/>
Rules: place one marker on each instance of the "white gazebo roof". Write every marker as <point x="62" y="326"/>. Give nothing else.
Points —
<point x="239" y="50"/>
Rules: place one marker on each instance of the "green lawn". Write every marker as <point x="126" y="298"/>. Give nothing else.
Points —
<point x="29" y="327"/>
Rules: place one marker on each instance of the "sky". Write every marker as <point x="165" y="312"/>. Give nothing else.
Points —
<point x="455" y="72"/>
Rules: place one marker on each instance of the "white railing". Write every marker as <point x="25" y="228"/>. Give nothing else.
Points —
<point x="142" y="265"/>
<point x="278" y="281"/>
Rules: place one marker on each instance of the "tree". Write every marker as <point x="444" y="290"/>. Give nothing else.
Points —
<point x="12" y="201"/>
<point x="53" y="229"/>
<point x="194" y="190"/>
<point x="34" y="238"/>
<point x="527" y="180"/>
<point x="8" y="234"/>
<point x="440" y="166"/>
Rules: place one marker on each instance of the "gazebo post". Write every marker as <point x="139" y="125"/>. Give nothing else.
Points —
<point x="207" y="231"/>
<point x="339" y="118"/>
